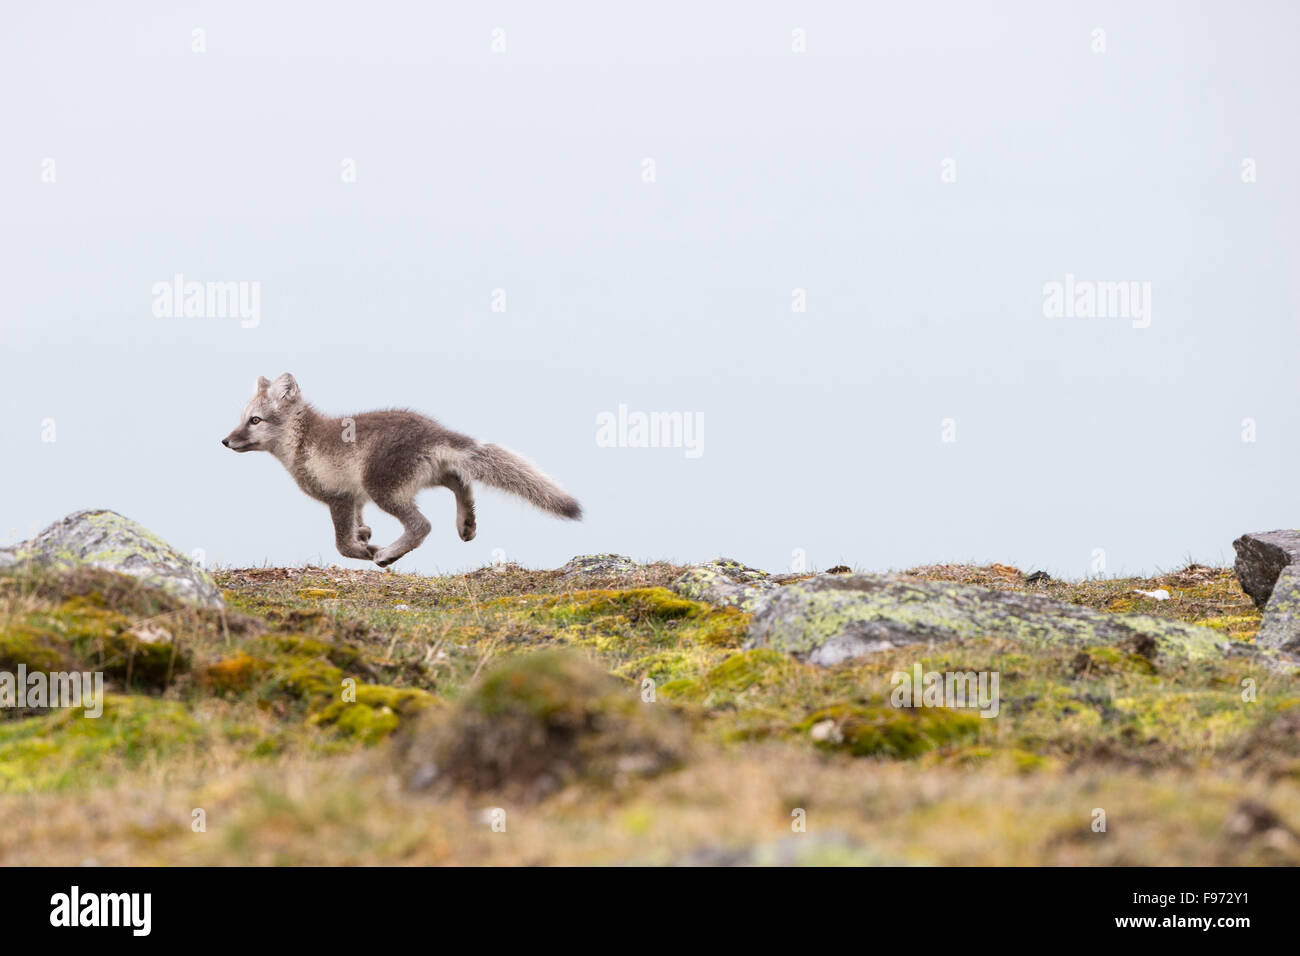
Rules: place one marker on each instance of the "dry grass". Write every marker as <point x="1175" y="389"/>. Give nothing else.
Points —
<point x="353" y="811"/>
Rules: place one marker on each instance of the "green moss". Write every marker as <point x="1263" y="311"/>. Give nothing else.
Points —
<point x="66" y="749"/>
<point x="896" y="732"/>
<point x="661" y="667"/>
<point x="1240" y="627"/>
<point x="723" y="627"/>
<point x="638" y="605"/>
<point x="306" y="668"/>
<point x="376" y="712"/>
<point x="741" y="671"/>
<point x="735" y="675"/>
<point x="545" y="685"/>
<point x="1094" y="662"/>
<point x="231" y="675"/>
<point x="34" y="648"/>
<point x="81" y="635"/>
<point x="1193" y="719"/>
<point x="308" y="678"/>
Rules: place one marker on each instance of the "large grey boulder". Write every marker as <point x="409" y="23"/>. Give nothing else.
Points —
<point x="105" y="539"/>
<point x="726" y="583"/>
<point x="1268" y="567"/>
<point x="1261" y="559"/>
<point x="827" y="620"/>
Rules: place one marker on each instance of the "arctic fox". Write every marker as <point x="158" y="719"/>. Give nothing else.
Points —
<point x="386" y="457"/>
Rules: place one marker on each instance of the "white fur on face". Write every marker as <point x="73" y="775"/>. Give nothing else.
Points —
<point x="264" y="435"/>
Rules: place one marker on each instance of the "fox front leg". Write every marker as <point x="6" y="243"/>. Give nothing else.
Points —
<point x="363" y="532"/>
<point x="345" y="514"/>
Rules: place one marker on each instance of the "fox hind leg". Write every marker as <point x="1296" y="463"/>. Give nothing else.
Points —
<point x="415" y="527"/>
<point x="466" y="525"/>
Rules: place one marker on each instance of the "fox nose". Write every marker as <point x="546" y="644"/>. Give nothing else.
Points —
<point x="226" y="442"/>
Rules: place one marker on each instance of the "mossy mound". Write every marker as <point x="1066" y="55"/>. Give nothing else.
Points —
<point x="539" y="721"/>
<point x="375" y="713"/>
<point x="735" y="675"/>
<point x="638" y="605"/>
<point x="81" y="634"/>
<point x="894" y="732"/>
<point x="68" y="749"/>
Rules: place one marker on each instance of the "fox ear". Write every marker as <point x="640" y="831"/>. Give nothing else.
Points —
<point x="262" y="384"/>
<point x="284" y="389"/>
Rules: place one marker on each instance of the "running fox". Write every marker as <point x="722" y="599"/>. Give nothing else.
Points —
<point x="386" y="457"/>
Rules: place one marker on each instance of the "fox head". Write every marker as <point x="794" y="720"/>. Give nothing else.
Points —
<point x="266" y="415"/>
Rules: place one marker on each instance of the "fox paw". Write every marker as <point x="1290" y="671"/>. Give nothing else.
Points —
<point x="467" y="530"/>
<point x="363" y="533"/>
<point x="359" y="550"/>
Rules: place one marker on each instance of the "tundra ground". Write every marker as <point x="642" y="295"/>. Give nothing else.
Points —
<point x="501" y="717"/>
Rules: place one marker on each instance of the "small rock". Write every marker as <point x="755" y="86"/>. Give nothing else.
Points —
<point x="149" y="633"/>
<point x="423" y="775"/>
<point x="1158" y="595"/>
<point x="599" y="564"/>
<point x="840" y="569"/>
<point x="1038" y="576"/>
<point x="726" y="583"/>
<point x="826" y="731"/>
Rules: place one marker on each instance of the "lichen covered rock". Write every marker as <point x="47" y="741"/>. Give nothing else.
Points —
<point x="1280" y="627"/>
<point x="726" y="583"/>
<point x="598" y="564"/>
<point x="828" y="620"/>
<point x="105" y="539"/>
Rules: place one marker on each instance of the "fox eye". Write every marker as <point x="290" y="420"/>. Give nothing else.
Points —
<point x="254" y="420"/>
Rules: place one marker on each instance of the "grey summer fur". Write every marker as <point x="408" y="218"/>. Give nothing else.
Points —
<point x="386" y="457"/>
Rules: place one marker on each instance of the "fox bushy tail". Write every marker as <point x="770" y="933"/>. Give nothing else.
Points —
<point x="502" y="468"/>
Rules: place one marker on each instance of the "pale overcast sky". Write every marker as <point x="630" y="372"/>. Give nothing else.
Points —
<point x="920" y="171"/>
